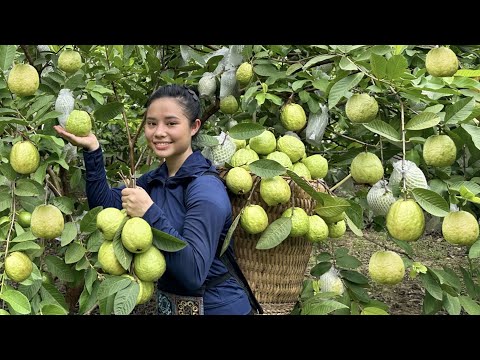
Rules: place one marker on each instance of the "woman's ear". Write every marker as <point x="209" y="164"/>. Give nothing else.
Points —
<point x="195" y="127"/>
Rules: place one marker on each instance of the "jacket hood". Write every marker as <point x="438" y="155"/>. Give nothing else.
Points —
<point x="195" y="165"/>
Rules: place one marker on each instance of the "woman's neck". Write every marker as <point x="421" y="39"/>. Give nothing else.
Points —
<point x="175" y="163"/>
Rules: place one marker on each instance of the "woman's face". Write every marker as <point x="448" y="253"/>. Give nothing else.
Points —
<point x="168" y="130"/>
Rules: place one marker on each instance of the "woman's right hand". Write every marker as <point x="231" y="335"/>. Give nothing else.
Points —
<point x="89" y="142"/>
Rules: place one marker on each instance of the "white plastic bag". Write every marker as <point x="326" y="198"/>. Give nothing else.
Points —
<point x="316" y="125"/>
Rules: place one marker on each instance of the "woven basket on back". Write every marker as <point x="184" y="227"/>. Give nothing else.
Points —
<point x="275" y="275"/>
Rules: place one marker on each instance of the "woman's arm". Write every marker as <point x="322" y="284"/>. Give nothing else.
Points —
<point x="97" y="189"/>
<point x="208" y="208"/>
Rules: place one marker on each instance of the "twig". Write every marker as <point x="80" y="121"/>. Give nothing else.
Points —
<point x="332" y="189"/>
<point x="387" y="247"/>
<point x="55" y="184"/>
<point x="27" y="55"/>
<point x="350" y="138"/>
<point x="212" y="109"/>
<point x="89" y="312"/>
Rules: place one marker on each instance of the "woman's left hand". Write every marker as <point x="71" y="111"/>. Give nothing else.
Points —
<point x="136" y="201"/>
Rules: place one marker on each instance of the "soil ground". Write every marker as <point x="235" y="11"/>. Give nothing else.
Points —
<point x="405" y="298"/>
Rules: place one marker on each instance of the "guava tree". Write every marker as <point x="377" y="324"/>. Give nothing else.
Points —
<point x="407" y="109"/>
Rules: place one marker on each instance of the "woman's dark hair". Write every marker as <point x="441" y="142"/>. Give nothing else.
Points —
<point x="186" y="96"/>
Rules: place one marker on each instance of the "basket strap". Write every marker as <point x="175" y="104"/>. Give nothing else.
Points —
<point x="229" y="260"/>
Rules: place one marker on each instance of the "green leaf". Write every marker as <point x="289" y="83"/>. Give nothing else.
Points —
<point x="245" y="130"/>
<point x="471" y="186"/>
<point x="274" y="98"/>
<point x="74" y="252"/>
<point x="58" y="268"/>
<point x="275" y="233"/>
<point x="52" y="309"/>
<point x="332" y="206"/>
<point x="452" y="304"/>
<point x="108" y="111"/>
<point x="466" y="193"/>
<point x="7" y="111"/>
<point x="112" y="285"/>
<point x="69" y="233"/>
<point x="95" y="240"/>
<point x="292" y="68"/>
<point x="354" y="277"/>
<point x="46" y="100"/>
<point x="11" y="120"/>
<point x="316" y="60"/>
<point x="74" y="81"/>
<point x="8" y="172"/>
<point x="123" y="256"/>
<point x="472" y="289"/>
<point x="352" y="226"/>
<point x="17" y="301"/>
<point x="469" y="305"/>
<point x="26" y="236"/>
<point x="7" y="54"/>
<point x="340" y="88"/>
<point x="88" y="224"/>
<point x="432" y="286"/>
<point x="90" y="278"/>
<point x="266" y="168"/>
<point x="50" y="294"/>
<point x="430" y="304"/>
<point x="459" y="111"/>
<point x="5" y="200"/>
<point x="88" y="299"/>
<point x="305" y="186"/>
<point x="320" y="268"/>
<point x="323" y="308"/>
<point x="25" y="245"/>
<point x="48" y="116"/>
<point x="126" y="299"/>
<point x="357" y="292"/>
<point x="448" y="277"/>
<point x="265" y="70"/>
<point x="474" y="251"/>
<point x="431" y="202"/>
<point x="348" y="262"/>
<point x="379" y="65"/>
<point x="64" y="204"/>
<point x="405" y="245"/>
<point x="26" y="187"/>
<point x="346" y="64"/>
<point x="260" y="99"/>
<point x="82" y="264"/>
<point x="167" y="242"/>
<point x="229" y="235"/>
<point x="474" y="132"/>
<point x="425" y="120"/>
<point x="369" y="310"/>
<point x="396" y="66"/>
<point x="467" y="73"/>
<point x="382" y="128"/>
<point x="204" y="140"/>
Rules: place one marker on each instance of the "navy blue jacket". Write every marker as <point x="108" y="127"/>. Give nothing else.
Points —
<point x="201" y="219"/>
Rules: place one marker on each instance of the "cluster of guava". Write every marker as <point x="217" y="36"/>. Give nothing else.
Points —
<point x="137" y="238"/>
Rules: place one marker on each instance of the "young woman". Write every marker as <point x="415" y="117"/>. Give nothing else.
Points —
<point x="177" y="199"/>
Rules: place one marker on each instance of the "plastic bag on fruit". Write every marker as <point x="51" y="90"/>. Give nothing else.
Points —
<point x="221" y="153"/>
<point x="316" y="125"/>
<point x="64" y="104"/>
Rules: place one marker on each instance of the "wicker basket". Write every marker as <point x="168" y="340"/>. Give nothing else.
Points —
<point x="275" y="275"/>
